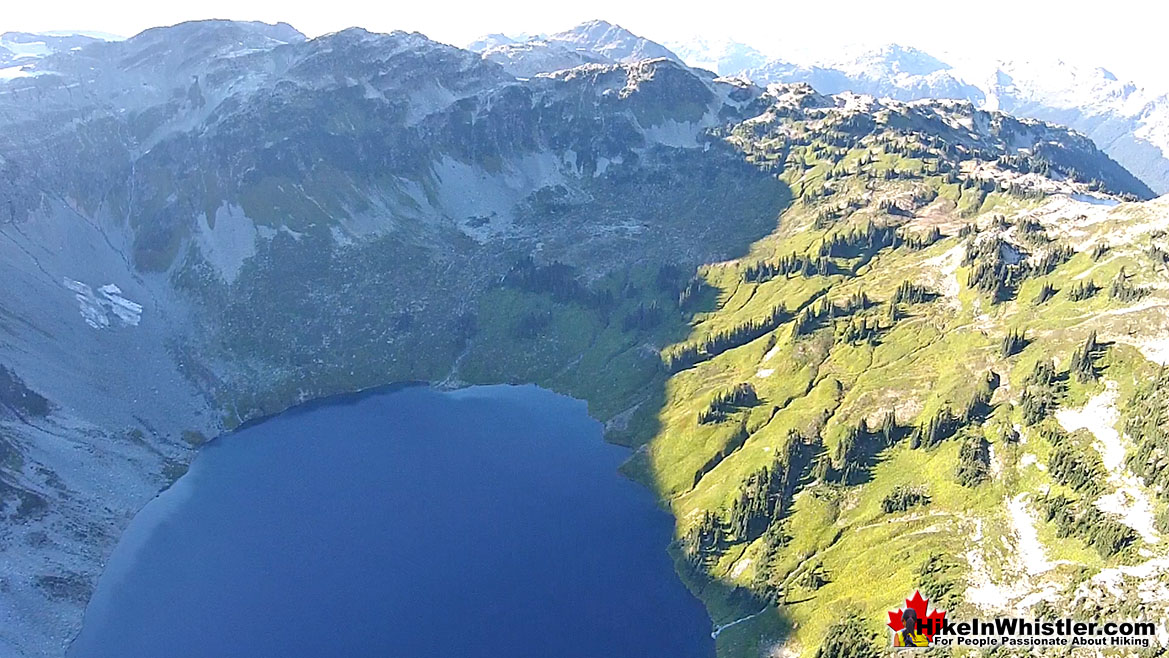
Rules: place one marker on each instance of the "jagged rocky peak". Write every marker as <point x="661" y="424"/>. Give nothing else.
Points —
<point x="612" y="41"/>
<point x="891" y="71"/>
<point x="530" y="58"/>
<point x="592" y="42"/>
<point x="395" y="61"/>
<point x="893" y="59"/>
<point x="493" y="40"/>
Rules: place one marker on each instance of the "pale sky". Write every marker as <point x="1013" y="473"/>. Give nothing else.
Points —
<point x="1119" y="34"/>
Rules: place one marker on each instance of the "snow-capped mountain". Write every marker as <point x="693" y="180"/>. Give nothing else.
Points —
<point x="723" y="56"/>
<point x="19" y="48"/>
<point x="495" y="39"/>
<point x="525" y="59"/>
<point x="592" y="42"/>
<point x="611" y="41"/>
<point x="889" y="72"/>
<point x="1128" y="122"/>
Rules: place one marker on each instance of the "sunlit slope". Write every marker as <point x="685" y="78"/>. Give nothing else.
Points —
<point x="890" y="393"/>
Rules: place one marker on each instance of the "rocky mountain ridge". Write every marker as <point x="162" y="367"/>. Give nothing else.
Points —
<point x="1128" y="122"/>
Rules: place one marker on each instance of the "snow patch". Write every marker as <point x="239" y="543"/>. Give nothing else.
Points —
<point x="1128" y="500"/>
<point x="740" y="567"/>
<point x="678" y="134"/>
<point x="482" y="202"/>
<point x="97" y="308"/>
<point x="14" y="72"/>
<point x="947" y="264"/>
<point x="228" y="241"/>
<point x="1155" y="350"/>
<point x="1032" y="555"/>
<point x="1018" y="591"/>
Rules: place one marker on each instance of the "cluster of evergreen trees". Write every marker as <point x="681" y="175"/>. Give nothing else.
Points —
<point x="825" y="310"/>
<point x="1020" y="191"/>
<point x="762" y="500"/>
<point x="792" y="264"/>
<point x="813" y="577"/>
<point x="1024" y="164"/>
<point x="1046" y="292"/>
<point x="904" y="497"/>
<point x="760" y="503"/>
<point x="1013" y="343"/>
<point x="1041" y="389"/>
<point x="856" y="452"/>
<point x="690" y="294"/>
<point x="726" y="402"/>
<point x="704" y="540"/>
<point x="1122" y="290"/>
<point x="908" y="292"/>
<point x="1083" y="362"/>
<point x="859" y="330"/>
<point x="941" y="579"/>
<point x="848" y="638"/>
<point x="643" y="317"/>
<point x="556" y="279"/>
<point x="1103" y="532"/>
<point x="1047" y="263"/>
<point x="944" y="423"/>
<point x="973" y="467"/>
<point x="937" y="428"/>
<point x="1081" y="470"/>
<point x="763" y="582"/>
<point x="1146" y="422"/>
<point x="1158" y="255"/>
<point x="1083" y="290"/>
<point x="680" y="357"/>
<point x="917" y="241"/>
<point x="859" y="241"/>
<point x="1032" y="231"/>
<point x="992" y="274"/>
<point x="825" y="217"/>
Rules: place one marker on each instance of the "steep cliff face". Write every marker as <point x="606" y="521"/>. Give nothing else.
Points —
<point x="208" y="223"/>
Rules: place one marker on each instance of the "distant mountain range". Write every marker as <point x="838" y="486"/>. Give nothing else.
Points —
<point x="1128" y="122"/>
<point x="19" y="48"/>
<point x="593" y="42"/>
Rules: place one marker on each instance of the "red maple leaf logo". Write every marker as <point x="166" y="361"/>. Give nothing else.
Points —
<point x="931" y="622"/>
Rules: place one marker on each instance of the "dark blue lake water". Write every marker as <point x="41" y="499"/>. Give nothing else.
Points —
<point x="488" y="522"/>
